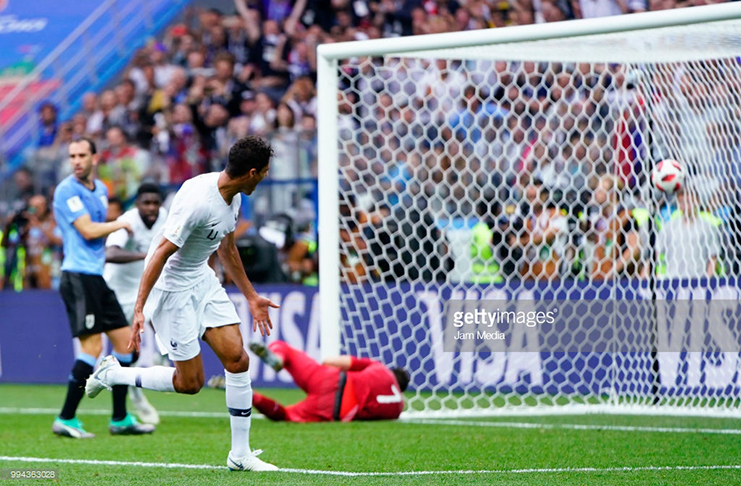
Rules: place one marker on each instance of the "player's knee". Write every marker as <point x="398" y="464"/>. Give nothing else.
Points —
<point x="238" y="364"/>
<point x="189" y="388"/>
<point x="188" y="385"/>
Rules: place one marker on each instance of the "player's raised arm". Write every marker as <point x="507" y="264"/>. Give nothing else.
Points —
<point x="229" y="256"/>
<point x="152" y="272"/>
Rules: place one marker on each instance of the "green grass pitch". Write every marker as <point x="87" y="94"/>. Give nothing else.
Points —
<point x="610" y="450"/>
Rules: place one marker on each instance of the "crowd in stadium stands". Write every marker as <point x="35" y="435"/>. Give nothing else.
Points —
<point x="518" y="146"/>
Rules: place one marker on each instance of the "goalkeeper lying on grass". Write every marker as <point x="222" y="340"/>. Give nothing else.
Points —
<point x="343" y="388"/>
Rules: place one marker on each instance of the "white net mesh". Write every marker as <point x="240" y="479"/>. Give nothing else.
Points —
<point x="521" y="172"/>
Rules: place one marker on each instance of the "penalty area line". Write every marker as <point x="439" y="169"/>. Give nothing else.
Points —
<point x="626" y="469"/>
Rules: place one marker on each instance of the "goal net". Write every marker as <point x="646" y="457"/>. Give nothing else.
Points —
<point x="488" y="220"/>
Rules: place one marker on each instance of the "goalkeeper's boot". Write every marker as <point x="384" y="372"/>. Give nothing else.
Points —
<point x="96" y="382"/>
<point x="250" y="462"/>
<point x="70" y="428"/>
<point x="129" y="426"/>
<point x="268" y="357"/>
<point x="144" y="410"/>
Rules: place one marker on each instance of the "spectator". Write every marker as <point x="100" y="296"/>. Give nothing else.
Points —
<point x="545" y="237"/>
<point x="24" y="187"/>
<point x="184" y="154"/>
<point x="612" y="235"/>
<point x="48" y="126"/>
<point x="263" y="117"/>
<point x="49" y="161"/>
<point x="122" y="166"/>
<point x="42" y="243"/>
<point x="223" y="88"/>
<point x="689" y="243"/>
<point x="196" y="64"/>
<point x="285" y="196"/>
<point x="163" y="69"/>
<point x="109" y="114"/>
<point x="602" y="8"/>
<point x="89" y="104"/>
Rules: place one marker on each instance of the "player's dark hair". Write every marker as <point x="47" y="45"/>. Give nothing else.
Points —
<point x="93" y="149"/>
<point x="402" y="376"/>
<point x="149" y="188"/>
<point x="247" y="154"/>
<point x="115" y="200"/>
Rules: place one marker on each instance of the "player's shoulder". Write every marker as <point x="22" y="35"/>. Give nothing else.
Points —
<point x="65" y="186"/>
<point x="201" y="181"/>
<point x="67" y="189"/>
<point x="130" y="216"/>
<point x="196" y="189"/>
<point x="195" y="194"/>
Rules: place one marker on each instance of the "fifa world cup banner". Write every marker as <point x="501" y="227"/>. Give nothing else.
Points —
<point x="582" y="339"/>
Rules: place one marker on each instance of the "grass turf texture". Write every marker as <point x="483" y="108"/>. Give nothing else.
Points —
<point x="364" y="447"/>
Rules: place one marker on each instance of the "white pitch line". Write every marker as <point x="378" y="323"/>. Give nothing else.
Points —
<point x="506" y="425"/>
<point x="164" y="413"/>
<point x="628" y="469"/>
<point x="532" y="425"/>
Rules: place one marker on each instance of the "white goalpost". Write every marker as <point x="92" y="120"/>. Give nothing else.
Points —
<point x="506" y="172"/>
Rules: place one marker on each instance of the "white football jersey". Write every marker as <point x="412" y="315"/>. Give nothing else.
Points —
<point x="124" y="278"/>
<point x="199" y="219"/>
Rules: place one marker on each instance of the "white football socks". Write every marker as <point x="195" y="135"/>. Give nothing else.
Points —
<point x="239" y="403"/>
<point x="157" y="378"/>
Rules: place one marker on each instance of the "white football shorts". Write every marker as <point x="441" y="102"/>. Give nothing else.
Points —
<point x="180" y="318"/>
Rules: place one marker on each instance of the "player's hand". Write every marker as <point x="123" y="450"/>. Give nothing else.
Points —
<point x="137" y="328"/>
<point x="260" y="318"/>
<point x="125" y="225"/>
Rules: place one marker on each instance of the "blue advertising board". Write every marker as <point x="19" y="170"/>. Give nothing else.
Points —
<point x="407" y="330"/>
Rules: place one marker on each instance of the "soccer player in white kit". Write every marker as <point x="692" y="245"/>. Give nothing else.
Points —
<point x="185" y="300"/>
<point x="125" y="253"/>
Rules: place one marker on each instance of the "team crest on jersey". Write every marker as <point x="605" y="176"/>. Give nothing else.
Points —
<point x="104" y="200"/>
<point x="89" y="321"/>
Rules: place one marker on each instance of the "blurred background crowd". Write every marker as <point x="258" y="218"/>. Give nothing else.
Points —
<point x="537" y="163"/>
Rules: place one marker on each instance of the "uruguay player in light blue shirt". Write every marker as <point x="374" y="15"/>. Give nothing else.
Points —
<point x="80" y="206"/>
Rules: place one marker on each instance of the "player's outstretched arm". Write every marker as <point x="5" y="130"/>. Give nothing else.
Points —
<point x="91" y="231"/>
<point x="152" y="272"/>
<point x="229" y="256"/>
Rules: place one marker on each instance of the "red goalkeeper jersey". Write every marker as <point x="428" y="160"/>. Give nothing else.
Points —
<point x="371" y="392"/>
